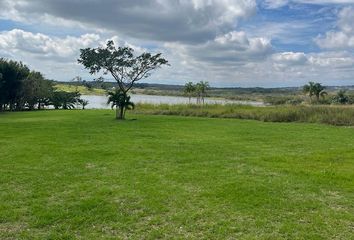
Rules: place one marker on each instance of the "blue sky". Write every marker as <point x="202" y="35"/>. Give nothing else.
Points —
<point x="243" y="43"/>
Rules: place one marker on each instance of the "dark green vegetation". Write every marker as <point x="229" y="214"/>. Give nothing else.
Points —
<point x="122" y="65"/>
<point x="22" y="89"/>
<point x="198" y="90"/>
<point x="120" y="101"/>
<point x="83" y="175"/>
<point x="335" y="115"/>
<point x="315" y="90"/>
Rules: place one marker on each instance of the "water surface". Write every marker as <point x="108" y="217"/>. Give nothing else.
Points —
<point x="100" y="102"/>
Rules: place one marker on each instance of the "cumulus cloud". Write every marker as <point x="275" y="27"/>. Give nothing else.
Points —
<point x="191" y="20"/>
<point x="44" y="46"/>
<point x="54" y="56"/>
<point x="202" y="39"/>
<point x="344" y="37"/>
<point x="272" y="4"/>
<point x="233" y="48"/>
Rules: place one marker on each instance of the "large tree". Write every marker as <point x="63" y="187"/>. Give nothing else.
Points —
<point x="122" y="64"/>
<point x="36" y="90"/>
<point x="12" y="75"/>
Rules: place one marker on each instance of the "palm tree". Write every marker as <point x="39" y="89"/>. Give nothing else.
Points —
<point x="83" y="103"/>
<point x="65" y="100"/>
<point x="201" y="88"/>
<point x="341" y="97"/>
<point x="189" y="89"/>
<point x="308" y="89"/>
<point x="315" y="89"/>
<point x="121" y="101"/>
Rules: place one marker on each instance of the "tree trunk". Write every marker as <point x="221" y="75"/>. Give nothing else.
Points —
<point x="119" y="113"/>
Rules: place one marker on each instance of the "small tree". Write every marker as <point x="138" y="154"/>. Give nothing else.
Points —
<point x="201" y="89"/>
<point x="315" y="89"/>
<point x="121" y="63"/>
<point x="189" y="90"/>
<point x="120" y="101"/>
<point x="83" y="103"/>
<point x="65" y="100"/>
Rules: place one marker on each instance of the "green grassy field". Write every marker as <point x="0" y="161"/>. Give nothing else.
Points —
<point x="83" y="175"/>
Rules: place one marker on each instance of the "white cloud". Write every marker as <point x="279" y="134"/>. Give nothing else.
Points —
<point x="54" y="56"/>
<point x="191" y="21"/>
<point x="272" y="4"/>
<point x="43" y="46"/>
<point x="201" y="39"/>
<point x="344" y="37"/>
<point x="290" y="58"/>
<point x="233" y="48"/>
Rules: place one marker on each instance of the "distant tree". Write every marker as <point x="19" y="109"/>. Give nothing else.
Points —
<point x="315" y="89"/>
<point x="77" y="81"/>
<point x="121" y="63"/>
<point x="189" y="90"/>
<point x="83" y="103"/>
<point x="120" y="101"/>
<point x="201" y="89"/>
<point x="341" y="97"/>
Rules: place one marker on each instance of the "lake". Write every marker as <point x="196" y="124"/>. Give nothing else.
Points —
<point x="100" y="102"/>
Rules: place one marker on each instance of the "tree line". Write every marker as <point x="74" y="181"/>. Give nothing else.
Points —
<point x="25" y="89"/>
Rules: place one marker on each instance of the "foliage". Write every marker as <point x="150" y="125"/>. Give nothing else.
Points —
<point x="341" y="97"/>
<point x="36" y="90"/>
<point x="199" y="90"/>
<point x="121" y="63"/>
<point x="121" y="101"/>
<point x="315" y="89"/>
<point x="12" y="76"/>
<point x="65" y="100"/>
<point x="189" y="90"/>
<point x="83" y="103"/>
<point x="21" y="88"/>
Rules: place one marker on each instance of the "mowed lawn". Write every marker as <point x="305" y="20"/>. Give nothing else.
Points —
<point x="84" y="175"/>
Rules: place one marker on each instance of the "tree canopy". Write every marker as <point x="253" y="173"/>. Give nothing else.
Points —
<point x="23" y="89"/>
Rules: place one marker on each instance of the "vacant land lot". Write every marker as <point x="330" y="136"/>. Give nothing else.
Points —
<point x="84" y="175"/>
